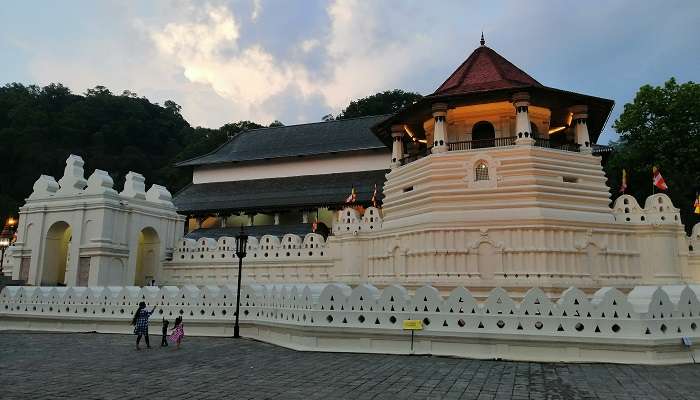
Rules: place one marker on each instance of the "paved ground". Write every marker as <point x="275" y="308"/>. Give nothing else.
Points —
<point x="94" y="366"/>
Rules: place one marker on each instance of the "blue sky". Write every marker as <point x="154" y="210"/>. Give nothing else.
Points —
<point x="296" y="61"/>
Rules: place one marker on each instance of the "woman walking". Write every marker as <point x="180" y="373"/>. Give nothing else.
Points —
<point x="140" y="322"/>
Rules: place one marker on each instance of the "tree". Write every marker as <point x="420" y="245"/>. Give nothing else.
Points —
<point x="234" y="128"/>
<point x="661" y="127"/>
<point x="41" y="126"/>
<point x="387" y="102"/>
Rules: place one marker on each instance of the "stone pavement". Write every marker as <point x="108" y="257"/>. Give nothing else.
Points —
<point x="98" y="366"/>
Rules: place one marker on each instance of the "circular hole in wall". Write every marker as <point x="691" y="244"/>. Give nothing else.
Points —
<point x="392" y="319"/>
<point x="579" y="327"/>
<point x="361" y="318"/>
<point x="500" y="324"/>
<point x="426" y="321"/>
<point x="539" y="325"/>
<point x="329" y="319"/>
<point x="615" y="328"/>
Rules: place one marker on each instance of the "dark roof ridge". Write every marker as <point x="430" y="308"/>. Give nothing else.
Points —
<point x="314" y="123"/>
<point x="264" y="131"/>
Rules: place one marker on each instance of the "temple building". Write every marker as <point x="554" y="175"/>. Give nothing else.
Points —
<point x="494" y="180"/>
<point x="286" y="179"/>
<point x="491" y="226"/>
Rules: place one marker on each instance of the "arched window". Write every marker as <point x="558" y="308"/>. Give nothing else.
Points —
<point x="481" y="171"/>
<point x="483" y="135"/>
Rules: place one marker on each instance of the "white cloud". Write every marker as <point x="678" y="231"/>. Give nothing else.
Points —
<point x="357" y="60"/>
<point x="309" y="44"/>
<point x="208" y="52"/>
<point x="257" y="8"/>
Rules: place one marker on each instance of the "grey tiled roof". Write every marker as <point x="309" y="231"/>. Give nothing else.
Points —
<point x="296" y="140"/>
<point x="310" y="191"/>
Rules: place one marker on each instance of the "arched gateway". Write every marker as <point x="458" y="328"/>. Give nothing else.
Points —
<point x="56" y="254"/>
<point x="82" y="232"/>
<point x="147" y="258"/>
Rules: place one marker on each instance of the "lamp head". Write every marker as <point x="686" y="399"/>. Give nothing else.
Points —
<point x="5" y="237"/>
<point x="241" y="243"/>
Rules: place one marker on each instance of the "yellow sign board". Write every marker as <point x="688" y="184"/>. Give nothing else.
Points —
<point x="412" y="325"/>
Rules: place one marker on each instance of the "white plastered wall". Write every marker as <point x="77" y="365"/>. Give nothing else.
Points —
<point x="298" y="167"/>
<point x="105" y="227"/>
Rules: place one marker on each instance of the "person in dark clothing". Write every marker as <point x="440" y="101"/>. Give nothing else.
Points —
<point x="164" y="340"/>
<point x="140" y="322"/>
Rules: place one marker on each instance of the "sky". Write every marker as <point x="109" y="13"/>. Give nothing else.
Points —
<point x="296" y="61"/>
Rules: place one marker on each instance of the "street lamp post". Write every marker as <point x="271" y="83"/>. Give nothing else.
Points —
<point x="5" y="239"/>
<point x="241" y="243"/>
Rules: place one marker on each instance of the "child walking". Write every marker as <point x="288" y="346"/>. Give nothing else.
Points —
<point x="178" y="332"/>
<point x="164" y="337"/>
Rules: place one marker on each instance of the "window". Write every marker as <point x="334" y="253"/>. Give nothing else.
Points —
<point x="483" y="135"/>
<point x="481" y="171"/>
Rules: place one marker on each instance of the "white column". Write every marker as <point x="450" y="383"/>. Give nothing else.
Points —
<point x="222" y="220"/>
<point x="277" y="218"/>
<point x="305" y="217"/>
<point x="440" y="131"/>
<point x="523" y="132"/>
<point x="579" y="120"/>
<point x="251" y="219"/>
<point x="397" y="145"/>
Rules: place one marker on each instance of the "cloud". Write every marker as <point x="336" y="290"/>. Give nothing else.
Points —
<point x="358" y="60"/>
<point x="309" y="44"/>
<point x="225" y="60"/>
<point x="208" y="52"/>
<point x="257" y="8"/>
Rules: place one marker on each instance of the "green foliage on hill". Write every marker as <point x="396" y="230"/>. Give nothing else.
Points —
<point x="41" y="126"/>
<point x="387" y="102"/>
<point x="661" y="127"/>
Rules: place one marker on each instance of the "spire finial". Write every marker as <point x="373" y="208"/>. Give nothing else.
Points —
<point x="482" y="41"/>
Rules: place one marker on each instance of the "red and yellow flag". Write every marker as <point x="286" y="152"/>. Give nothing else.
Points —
<point x="696" y="206"/>
<point x="658" y="179"/>
<point x="374" y="196"/>
<point x="352" y="198"/>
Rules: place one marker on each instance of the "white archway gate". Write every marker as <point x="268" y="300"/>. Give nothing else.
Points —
<point x="79" y="232"/>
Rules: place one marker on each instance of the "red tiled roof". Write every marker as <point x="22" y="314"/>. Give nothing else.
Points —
<point x="485" y="70"/>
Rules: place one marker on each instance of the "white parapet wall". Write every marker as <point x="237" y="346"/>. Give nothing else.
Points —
<point x="290" y="258"/>
<point x="645" y="326"/>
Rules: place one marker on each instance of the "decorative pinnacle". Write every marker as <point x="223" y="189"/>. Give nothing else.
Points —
<point x="482" y="41"/>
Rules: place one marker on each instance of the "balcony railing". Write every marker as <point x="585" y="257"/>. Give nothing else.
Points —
<point x="496" y="142"/>
<point x="481" y="144"/>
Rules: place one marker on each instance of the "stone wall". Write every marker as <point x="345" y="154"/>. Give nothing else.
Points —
<point x="646" y="325"/>
<point x="290" y="258"/>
